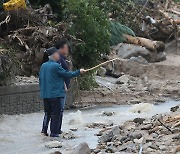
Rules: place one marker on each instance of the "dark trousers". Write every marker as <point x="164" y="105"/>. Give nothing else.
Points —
<point x="53" y="108"/>
<point x="62" y="104"/>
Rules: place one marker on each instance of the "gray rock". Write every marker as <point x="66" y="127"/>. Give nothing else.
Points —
<point x="106" y="113"/>
<point x="74" y="129"/>
<point x="154" y="135"/>
<point x="106" y="137"/>
<point x="53" y="144"/>
<point x="116" y="130"/>
<point x="136" y="135"/>
<point x="127" y="51"/>
<point x="123" y="79"/>
<point x="101" y="71"/>
<point x="109" y="135"/>
<point x="68" y="135"/>
<point x="161" y="56"/>
<point x="139" y="59"/>
<point x="174" y="109"/>
<point x="82" y="148"/>
<point x="146" y="127"/>
<point x="163" y="147"/>
<point x="139" y="120"/>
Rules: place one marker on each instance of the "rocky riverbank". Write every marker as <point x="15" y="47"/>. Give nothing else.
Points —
<point x="156" y="135"/>
<point x="159" y="135"/>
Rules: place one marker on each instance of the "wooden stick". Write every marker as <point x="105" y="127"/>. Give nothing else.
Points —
<point x="165" y="126"/>
<point x="90" y="69"/>
<point x="6" y="20"/>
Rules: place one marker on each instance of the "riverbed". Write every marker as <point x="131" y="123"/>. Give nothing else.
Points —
<point x="21" y="133"/>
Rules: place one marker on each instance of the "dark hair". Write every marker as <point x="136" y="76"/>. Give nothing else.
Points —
<point x="45" y="58"/>
<point x="60" y="44"/>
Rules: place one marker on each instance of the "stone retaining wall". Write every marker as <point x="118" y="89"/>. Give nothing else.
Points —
<point x="20" y="99"/>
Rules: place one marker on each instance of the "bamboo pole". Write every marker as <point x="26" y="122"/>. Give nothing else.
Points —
<point x="90" y="69"/>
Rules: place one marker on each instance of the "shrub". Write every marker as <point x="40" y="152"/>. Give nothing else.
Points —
<point x="88" y="23"/>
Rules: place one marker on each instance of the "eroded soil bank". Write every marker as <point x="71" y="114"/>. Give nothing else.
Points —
<point x="152" y="83"/>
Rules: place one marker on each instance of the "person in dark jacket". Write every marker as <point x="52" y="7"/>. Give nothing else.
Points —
<point x="63" y="50"/>
<point x="51" y="80"/>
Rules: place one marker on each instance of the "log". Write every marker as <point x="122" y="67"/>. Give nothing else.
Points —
<point x="149" y="44"/>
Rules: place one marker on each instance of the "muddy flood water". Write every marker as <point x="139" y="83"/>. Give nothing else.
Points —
<point x="21" y="133"/>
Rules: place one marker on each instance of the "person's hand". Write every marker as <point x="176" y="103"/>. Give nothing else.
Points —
<point x="82" y="71"/>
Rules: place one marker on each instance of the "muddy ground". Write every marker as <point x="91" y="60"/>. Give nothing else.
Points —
<point x="152" y="83"/>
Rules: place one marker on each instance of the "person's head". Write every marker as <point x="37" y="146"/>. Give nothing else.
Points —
<point x="53" y="53"/>
<point x="62" y="47"/>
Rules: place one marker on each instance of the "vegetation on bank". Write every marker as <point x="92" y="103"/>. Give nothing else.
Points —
<point x="88" y="21"/>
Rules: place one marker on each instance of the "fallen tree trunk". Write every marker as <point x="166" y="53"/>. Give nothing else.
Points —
<point x="149" y="44"/>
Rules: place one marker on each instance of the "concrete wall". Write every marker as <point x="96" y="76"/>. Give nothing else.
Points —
<point x="20" y="99"/>
<point x="25" y="98"/>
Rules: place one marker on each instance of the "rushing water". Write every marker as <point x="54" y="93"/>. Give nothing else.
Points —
<point x="21" y="133"/>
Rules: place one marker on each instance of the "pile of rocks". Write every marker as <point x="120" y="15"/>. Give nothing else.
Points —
<point x="159" y="135"/>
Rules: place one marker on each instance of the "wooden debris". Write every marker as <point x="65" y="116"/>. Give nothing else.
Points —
<point x="149" y="44"/>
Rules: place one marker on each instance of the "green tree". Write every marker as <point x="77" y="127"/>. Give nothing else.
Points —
<point x="90" y="24"/>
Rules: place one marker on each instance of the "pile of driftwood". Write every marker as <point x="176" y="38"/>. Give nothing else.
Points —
<point x="28" y="33"/>
<point x="163" y="20"/>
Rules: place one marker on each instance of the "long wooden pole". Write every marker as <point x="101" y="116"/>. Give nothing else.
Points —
<point x="90" y="69"/>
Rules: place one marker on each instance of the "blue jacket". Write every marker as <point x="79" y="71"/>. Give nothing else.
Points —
<point x="64" y="65"/>
<point x="51" y="79"/>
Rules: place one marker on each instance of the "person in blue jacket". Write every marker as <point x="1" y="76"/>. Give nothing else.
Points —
<point x="63" y="50"/>
<point x="51" y="80"/>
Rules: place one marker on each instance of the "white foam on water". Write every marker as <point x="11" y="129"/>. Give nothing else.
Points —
<point x="76" y="118"/>
<point x="141" y="108"/>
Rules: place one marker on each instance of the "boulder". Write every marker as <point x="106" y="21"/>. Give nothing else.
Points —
<point x="126" y="51"/>
<point x="82" y="148"/>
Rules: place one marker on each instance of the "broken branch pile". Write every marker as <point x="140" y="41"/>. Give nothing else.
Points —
<point x="28" y="33"/>
<point x="162" y="21"/>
